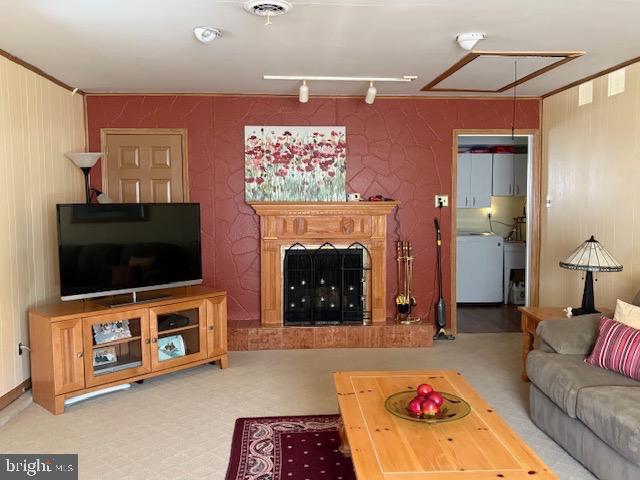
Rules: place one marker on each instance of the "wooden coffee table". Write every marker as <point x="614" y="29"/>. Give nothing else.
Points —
<point x="480" y="446"/>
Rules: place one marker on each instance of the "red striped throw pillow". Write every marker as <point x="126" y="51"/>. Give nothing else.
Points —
<point x="617" y="349"/>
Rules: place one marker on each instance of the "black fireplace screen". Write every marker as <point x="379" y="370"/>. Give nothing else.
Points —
<point x="326" y="285"/>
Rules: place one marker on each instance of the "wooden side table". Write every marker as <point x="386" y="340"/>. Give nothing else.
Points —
<point x="530" y="318"/>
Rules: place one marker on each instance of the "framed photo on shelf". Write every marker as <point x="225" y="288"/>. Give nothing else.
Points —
<point x="104" y="356"/>
<point x="110" y="332"/>
<point x="171" y="347"/>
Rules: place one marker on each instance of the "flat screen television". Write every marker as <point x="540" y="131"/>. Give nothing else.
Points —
<point x="118" y="248"/>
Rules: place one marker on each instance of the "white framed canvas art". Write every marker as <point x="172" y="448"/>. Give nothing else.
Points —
<point x="306" y="164"/>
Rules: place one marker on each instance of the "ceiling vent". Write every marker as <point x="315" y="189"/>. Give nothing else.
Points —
<point x="267" y="8"/>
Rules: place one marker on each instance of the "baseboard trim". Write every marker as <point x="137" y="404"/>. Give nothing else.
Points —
<point x="13" y="394"/>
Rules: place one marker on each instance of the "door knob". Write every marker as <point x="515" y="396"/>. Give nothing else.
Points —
<point x="210" y="327"/>
<point x="154" y="340"/>
<point x="79" y="354"/>
<point x="147" y="341"/>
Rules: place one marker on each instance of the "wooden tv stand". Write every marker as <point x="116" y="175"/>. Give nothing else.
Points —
<point x="79" y="347"/>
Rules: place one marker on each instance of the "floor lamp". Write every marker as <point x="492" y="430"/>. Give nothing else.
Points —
<point x="84" y="161"/>
<point x="591" y="257"/>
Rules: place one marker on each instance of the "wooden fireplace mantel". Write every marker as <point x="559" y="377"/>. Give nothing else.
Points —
<point x="285" y="223"/>
<point x="321" y="208"/>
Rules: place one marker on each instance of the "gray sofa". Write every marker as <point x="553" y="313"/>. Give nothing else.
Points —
<point x="594" y="414"/>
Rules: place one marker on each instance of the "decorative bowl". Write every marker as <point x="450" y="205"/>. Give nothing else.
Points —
<point x="453" y="408"/>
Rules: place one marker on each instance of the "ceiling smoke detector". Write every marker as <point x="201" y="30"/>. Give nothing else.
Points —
<point x="267" y="8"/>
<point x="468" y="40"/>
<point x="207" y="34"/>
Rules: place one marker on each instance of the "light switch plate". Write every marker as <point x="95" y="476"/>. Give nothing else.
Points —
<point x="442" y="200"/>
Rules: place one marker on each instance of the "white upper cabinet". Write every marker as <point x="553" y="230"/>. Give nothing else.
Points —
<point x="510" y="174"/>
<point x="474" y="180"/>
<point x="520" y="161"/>
<point x="503" y="176"/>
<point x="464" y="180"/>
<point x="480" y="180"/>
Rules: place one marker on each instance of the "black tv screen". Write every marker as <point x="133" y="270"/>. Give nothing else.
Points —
<point x="108" y="249"/>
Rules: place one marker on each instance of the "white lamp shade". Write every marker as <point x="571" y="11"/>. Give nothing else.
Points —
<point x="84" y="159"/>
<point x="592" y="257"/>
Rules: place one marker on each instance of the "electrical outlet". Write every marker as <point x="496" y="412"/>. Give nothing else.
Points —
<point x="442" y="201"/>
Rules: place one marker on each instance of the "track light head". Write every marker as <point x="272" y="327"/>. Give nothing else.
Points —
<point x="371" y="94"/>
<point x="303" y="94"/>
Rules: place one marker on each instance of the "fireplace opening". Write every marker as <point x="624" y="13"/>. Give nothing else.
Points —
<point x="327" y="285"/>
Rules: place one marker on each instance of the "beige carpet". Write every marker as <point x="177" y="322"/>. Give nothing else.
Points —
<point x="179" y="426"/>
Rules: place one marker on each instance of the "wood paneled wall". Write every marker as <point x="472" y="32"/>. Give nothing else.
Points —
<point x="591" y="173"/>
<point x="39" y="122"/>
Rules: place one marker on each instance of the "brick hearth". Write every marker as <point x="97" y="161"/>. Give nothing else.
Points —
<point x="251" y="335"/>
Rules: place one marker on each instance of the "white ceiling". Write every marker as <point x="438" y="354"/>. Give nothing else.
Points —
<point x="148" y="45"/>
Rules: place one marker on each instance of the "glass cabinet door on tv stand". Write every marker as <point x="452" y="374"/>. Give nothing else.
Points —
<point x="116" y="346"/>
<point x="178" y="334"/>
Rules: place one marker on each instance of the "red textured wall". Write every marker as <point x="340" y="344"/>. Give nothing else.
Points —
<point x="399" y="148"/>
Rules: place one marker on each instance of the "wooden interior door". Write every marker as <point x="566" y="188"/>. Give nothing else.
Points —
<point x="68" y="355"/>
<point x="144" y="165"/>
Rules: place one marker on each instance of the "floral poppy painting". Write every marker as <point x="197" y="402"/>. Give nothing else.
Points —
<point x="305" y="164"/>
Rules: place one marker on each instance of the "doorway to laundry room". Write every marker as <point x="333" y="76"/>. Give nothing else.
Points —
<point x="492" y="228"/>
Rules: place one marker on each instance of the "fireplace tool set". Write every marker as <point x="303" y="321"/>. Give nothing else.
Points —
<point x="405" y="301"/>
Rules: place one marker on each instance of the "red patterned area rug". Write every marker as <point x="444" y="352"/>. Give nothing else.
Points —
<point x="288" y="448"/>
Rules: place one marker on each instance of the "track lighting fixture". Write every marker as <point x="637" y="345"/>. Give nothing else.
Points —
<point x="370" y="97"/>
<point x="404" y="78"/>
<point x="371" y="94"/>
<point x="303" y="94"/>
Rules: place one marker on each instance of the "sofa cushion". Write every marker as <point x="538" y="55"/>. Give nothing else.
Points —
<point x="617" y="349"/>
<point x="613" y="414"/>
<point x="570" y="336"/>
<point x="561" y="377"/>
<point x="628" y="314"/>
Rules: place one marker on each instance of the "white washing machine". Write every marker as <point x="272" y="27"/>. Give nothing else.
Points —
<point x="479" y="268"/>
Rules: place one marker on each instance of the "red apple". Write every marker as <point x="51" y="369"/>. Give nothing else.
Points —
<point x="429" y="407"/>
<point x="437" y="398"/>
<point x="424" y="390"/>
<point x="415" y="406"/>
